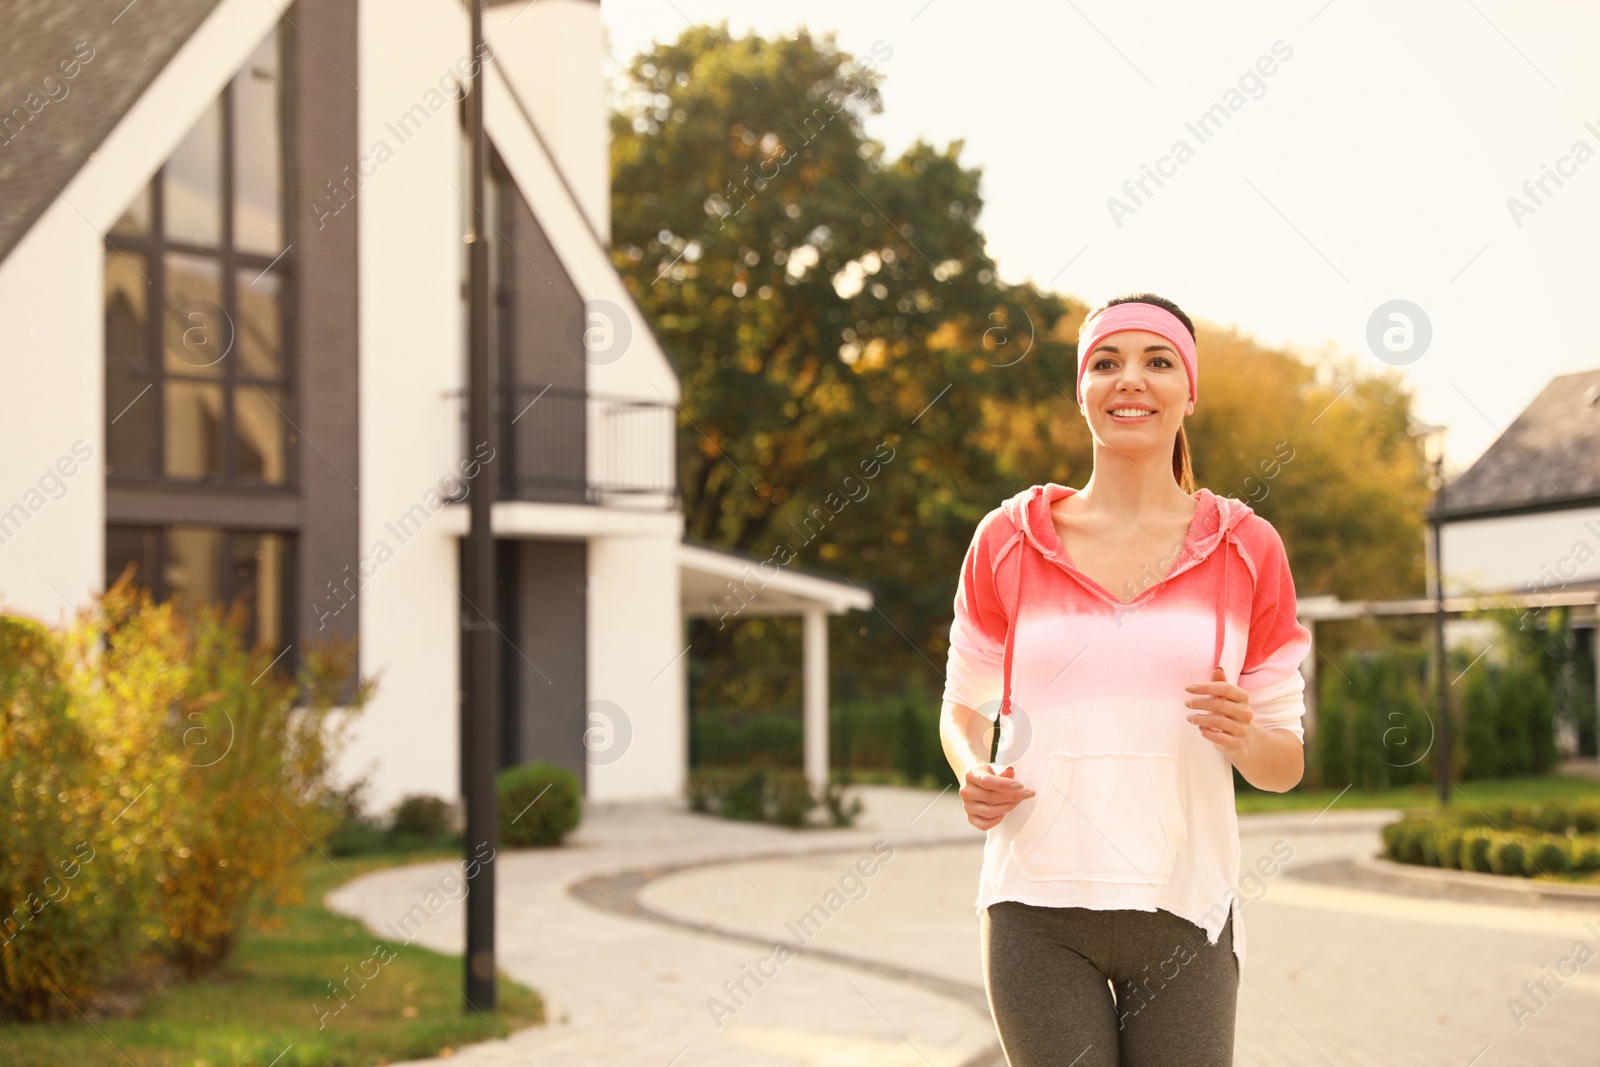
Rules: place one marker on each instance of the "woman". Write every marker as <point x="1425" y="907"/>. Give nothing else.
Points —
<point x="1108" y="897"/>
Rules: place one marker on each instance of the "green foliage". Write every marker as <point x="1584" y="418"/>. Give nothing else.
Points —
<point x="539" y="804"/>
<point x="1532" y="677"/>
<point x="1376" y="711"/>
<point x="422" y="816"/>
<point x="1520" y="839"/>
<point x="898" y="733"/>
<point x="763" y="793"/>
<point x="258" y="1010"/>
<point x="258" y="761"/>
<point x="67" y="904"/>
<point x="816" y="294"/>
<point x="1373" y="727"/>
<point x="163" y="780"/>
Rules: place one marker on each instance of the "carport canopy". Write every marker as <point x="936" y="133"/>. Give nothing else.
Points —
<point x="719" y="584"/>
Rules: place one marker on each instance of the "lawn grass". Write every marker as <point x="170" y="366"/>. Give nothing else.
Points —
<point x="263" y="1006"/>
<point x="1542" y="789"/>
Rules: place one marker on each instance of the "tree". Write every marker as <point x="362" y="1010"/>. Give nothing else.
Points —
<point x="859" y="386"/>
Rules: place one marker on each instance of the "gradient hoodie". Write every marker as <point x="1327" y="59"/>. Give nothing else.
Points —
<point x="1134" y="807"/>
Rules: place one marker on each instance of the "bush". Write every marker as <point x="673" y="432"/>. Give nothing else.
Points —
<point x="1450" y="847"/>
<point x="1550" y="856"/>
<point x="354" y="830"/>
<point x="253" y="794"/>
<point x="425" y="817"/>
<point x="1585" y="855"/>
<point x="65" y="859"/>
<point x="539" y="804"/>
<point x="164" y="769"/>
<point x="1475" y="850"/>
<point x="745" y="795"/>
<point x="1523" y="840"/>
<point x="1507" y="856"/>
<point x="761" y="793"/>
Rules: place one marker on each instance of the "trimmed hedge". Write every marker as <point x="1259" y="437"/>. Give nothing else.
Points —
<point x="1522" y="840"/>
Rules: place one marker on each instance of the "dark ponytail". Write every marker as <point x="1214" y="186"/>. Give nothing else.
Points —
<point x="1182" y="470"/>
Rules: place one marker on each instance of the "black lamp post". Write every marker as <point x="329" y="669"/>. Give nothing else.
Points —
<point x="1433" y="449"/>
<point x="479" y="726"/>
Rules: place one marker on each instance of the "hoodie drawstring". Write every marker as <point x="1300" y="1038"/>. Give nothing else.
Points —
<point x="1011" y="620"/>
<point x="1222" y="604"/>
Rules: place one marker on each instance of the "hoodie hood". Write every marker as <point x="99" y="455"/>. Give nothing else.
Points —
<point x="1214" y="527"/>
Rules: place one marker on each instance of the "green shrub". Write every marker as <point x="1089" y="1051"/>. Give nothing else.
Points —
<point x="1475" y="851"/>
<point x="355" y="830"/>
<point x="422" y="816"/>
<point x="188" y="777"/>
<point x="1429" y="842"/>
<point x="539" y="805"/>
<point x="1510" y="838"/>
<point x="253" y="795"/>
<point x="67" y="910"/>
<point x="1507" y="856"/>
<point x="745" y="798"/>
<point x="761" y="793"/>
<point x="1585" y="853"/>
<point x="792" y="799"/>
<point x="839" y="813"/>
<point x="1451" y="841"/>
<point x="1550" y="856"/>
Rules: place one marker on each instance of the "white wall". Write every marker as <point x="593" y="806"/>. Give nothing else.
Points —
<point x="411" y="352"/>
<point x="51" y="322"/>
<point x="552" y="51"/>
<point x="409" y="208"/>
<point x="1539" y="553"/>
<point x="636" y="663"/>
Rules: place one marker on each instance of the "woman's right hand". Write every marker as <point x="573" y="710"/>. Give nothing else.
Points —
<point x="988" y="794"/>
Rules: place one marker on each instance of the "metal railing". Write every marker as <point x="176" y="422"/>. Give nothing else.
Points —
<point x="563" y="445"/>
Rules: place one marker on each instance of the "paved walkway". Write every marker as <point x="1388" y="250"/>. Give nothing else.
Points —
<point x="1335" y="976"/>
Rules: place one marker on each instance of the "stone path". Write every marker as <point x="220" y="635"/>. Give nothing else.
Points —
<point x="890" y="969"/>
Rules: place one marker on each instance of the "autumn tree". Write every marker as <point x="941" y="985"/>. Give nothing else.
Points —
<point x="860" y="387"/>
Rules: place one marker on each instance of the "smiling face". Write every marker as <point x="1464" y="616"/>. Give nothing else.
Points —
<point x="1135" y="389"/>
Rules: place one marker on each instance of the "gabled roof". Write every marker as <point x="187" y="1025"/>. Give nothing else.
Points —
<point x="1548" y="458"/>
<point x="130" y="45"/>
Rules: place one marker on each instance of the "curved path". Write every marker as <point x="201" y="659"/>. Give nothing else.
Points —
<point x="643" y="931"/>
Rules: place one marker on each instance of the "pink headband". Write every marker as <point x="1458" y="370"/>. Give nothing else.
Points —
<point x="1137" y="316"/>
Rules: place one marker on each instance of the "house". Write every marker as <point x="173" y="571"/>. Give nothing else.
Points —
<point x="232" y="307"/>
<point x="1525" y="517"/>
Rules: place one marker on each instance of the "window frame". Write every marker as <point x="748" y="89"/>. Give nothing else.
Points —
<point x="154" y="247"/>
<point x="160" y="591"/>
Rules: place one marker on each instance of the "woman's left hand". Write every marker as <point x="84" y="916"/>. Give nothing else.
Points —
<point x="1229" y="726"/>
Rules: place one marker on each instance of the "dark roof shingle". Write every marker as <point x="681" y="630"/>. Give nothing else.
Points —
<point x="1549" y="455"/>
<point x="61" y="122"/>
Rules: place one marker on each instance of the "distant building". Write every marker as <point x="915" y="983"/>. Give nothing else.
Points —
<point x="1525" y="518"/>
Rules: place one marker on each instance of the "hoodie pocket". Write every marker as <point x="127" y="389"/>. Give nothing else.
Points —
<point x="1104" y="818"/>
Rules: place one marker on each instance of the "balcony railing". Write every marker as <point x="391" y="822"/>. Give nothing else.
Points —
<point x="562" y="445"/>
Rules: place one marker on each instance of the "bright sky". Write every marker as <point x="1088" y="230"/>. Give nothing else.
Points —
<point x="1374" y="163"/>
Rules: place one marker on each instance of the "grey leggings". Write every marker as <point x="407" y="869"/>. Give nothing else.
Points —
<point x="1046" y="971"/>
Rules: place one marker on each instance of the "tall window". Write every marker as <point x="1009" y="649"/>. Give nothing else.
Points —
<point x="195" y="565"/>
<point x="198" y="382"/>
